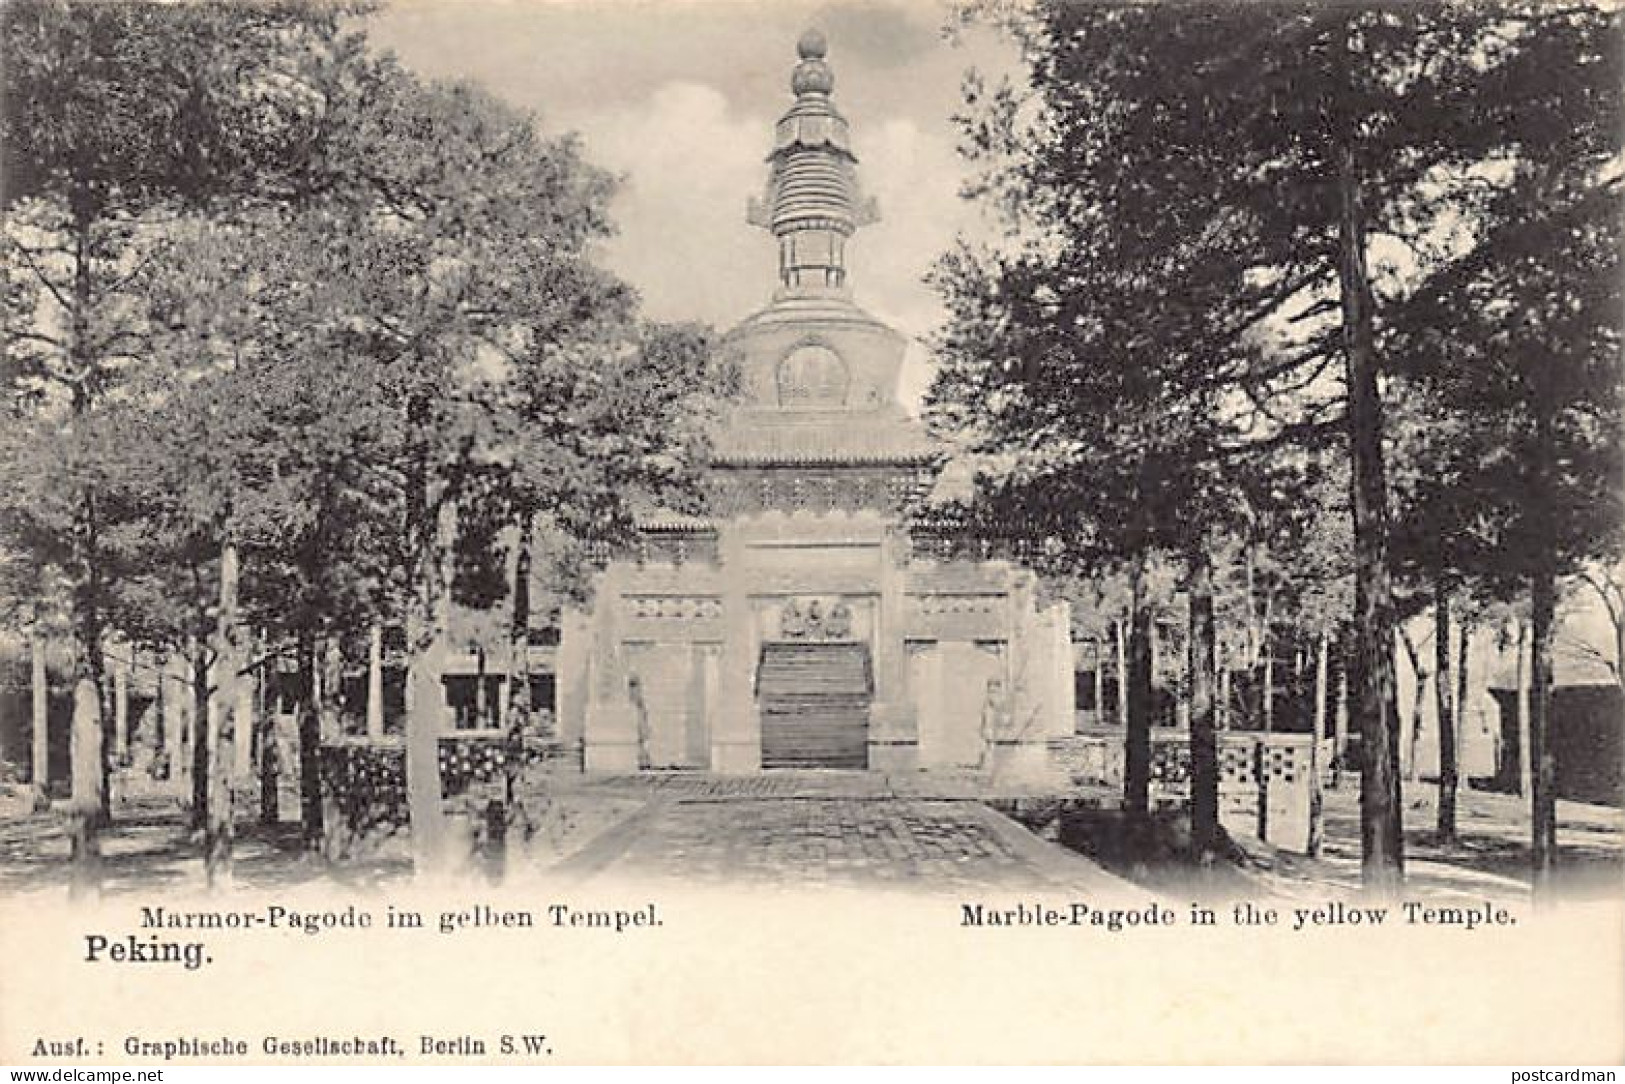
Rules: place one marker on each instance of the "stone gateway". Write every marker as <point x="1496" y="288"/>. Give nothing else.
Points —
<point x="805" y="622"/>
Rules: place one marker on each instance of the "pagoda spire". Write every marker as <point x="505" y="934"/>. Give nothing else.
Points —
<point x="813" y="202"/>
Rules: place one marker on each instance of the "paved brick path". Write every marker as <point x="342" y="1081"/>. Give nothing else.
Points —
<point x="813" y="828"/>
<point x="825" y="784"/>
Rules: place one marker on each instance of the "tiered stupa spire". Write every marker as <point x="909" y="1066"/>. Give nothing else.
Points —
<point x="813" y="202"/>
<point x="818" y="374"/>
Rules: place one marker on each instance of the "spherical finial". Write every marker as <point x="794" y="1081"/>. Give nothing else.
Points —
<point x="812" y="45"/>
<point x="812" y="77"/>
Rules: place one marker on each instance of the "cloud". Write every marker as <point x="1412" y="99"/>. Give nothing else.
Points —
<point x="879" y="35"/>
<point x="916" y="176"/>
<point x="690" y="160"/>
<point x="680" y="99"/>
<point x="689" y="164"/>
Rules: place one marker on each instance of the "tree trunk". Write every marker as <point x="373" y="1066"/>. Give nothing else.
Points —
<point x="1619" y="648"/>
<point x="1137" y="737"/>
<point x="40" y="736"/>
<point x="1521" y="667"/>
<point x="200" y="736"/>
<point x="85" y="807"/>
<point x="518" y="719"/>
<point x="1340" y="721"/>
<point x="1266" y="713"/>
<point x="1317" y="828"/>
<point x="184" y="733"/>
<point x="331" y="686"/>
<point x="423" y="728"/>
<point x="375" y="681"/>
<point x="173" y="700"/>
<point x="245" y="714"/>
<point x="1224" y="698"/>
<point x="312" y="829"/>
<point x="1121" y="634"/>
<point x="426" y="644"/>
<point x="221" y="729"/>
<point x="1413" y="731"/>
<point x="158" y="739"/>
<point x="1266" y="690"/>
<point x="121" y="704"/>
<point x="1464" y="644"/>
<point x="1445" y="710"/>
<point x="1206" y="833"/>
<point x="88" y="603"/>
<point x="1542" y="759"/>
<point x="269" y="748"/>
<point x="1100" y="684"/>
<point x="89" y="664"/>
<point x="1152" y="660"/>
<point x="1375" y="704"/>
<point x="519" y="705"/>
<point x="1322" y="675"/>
<point x="1251" y="597"/>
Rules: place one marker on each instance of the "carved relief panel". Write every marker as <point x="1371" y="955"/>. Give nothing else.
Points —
<point x="816" y="619"/>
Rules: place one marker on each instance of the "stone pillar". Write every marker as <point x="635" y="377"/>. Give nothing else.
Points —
<point x="39" y="721"/>
<point x="736" y="732"/>
<point x="1021" y="749"/>
<point x="246" y="724"/>
<point x="611" y="725"/>
<point x="87" y="804"/>
<point x="572" y="676"/>
<point x="121" y="703"/>
<point x="1063" y="719"/>
<point x="702" y="683"/>
<point x="330" y="679"/>
<point x="713" y="697"/>
<point x="375" y="682"/>
<point x="505" y="693"/>
<point x="925" y="696"/>
<point x="894" y="724"/>
<point x="177" y="695"/>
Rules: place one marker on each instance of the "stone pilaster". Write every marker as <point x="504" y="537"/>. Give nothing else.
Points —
<point x="243" y="749"/>
<point x="736" y="730"/>
<point x="177" y="697"/>
<point x="572" y="677"/>
<point x="1064" y="717"/>
<point x="894" y="725"/>
<point x="1021" y="748"/>
<point x="610" y="739"/>
<point x="123" y="662"/>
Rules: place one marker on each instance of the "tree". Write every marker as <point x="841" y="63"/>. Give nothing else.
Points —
<point x="1442" y="550"/>
<point x="608" y="421"/>
<point x="1523" y="332"/>
<point x="490" y="373"/>
<point x="483" y="261"/>
<point x="325" y="304"/>
<point x="115" y="116"/>
<point x="1216" y="181"/>
<point x="1607" y="583"/>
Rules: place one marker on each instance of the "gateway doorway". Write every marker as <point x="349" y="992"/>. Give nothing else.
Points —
<point x="814" y="701"/>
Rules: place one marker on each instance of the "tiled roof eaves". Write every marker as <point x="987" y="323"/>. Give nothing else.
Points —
<point x="830" y="458"/>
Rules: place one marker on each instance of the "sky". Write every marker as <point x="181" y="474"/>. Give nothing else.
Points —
<point x="679" y="97"/>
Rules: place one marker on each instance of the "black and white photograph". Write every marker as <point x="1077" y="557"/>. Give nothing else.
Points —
<point x="816" y="532"/>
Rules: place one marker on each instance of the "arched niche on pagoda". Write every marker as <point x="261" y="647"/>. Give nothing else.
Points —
<point x="812" y="376"/>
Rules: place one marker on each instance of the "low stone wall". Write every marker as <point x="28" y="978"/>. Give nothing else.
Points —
<point x="1264" y="783"/>
<point x="364" y="797"/>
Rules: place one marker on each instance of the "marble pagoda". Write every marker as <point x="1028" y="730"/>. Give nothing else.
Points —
<point x="801" y="623"/>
